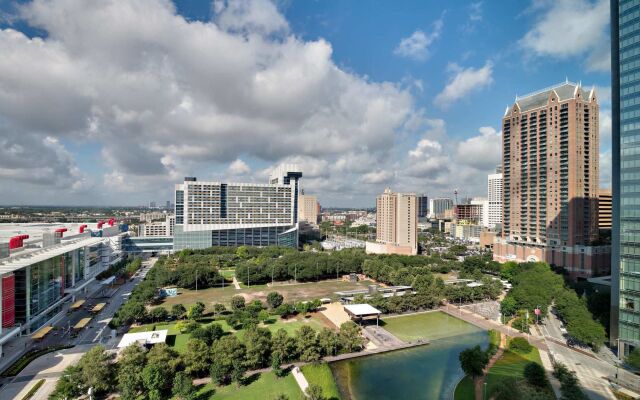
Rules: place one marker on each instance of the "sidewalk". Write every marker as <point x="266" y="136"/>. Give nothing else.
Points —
<point x="300" y="379"/>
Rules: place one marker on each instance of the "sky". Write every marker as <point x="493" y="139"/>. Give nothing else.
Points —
<point x="113" y="102"/>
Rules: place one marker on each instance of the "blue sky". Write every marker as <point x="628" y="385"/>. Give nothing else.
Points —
<point x="112" y="104"/>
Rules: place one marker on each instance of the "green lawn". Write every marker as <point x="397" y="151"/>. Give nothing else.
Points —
<point x="228" y="273"/>
<point x="291" y="292"/>
<point x="465" y="390"/>
<point x="510" y="365"/>
<point x="266" y="387"/>
<point x="321" y="375"/>
<point x="431" y="326"/>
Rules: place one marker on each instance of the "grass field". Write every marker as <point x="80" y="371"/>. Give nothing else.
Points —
<point x="464" y="390"/>
<point x="265" y="386"/>
<point x="291" y="292"/>
<point x="431" y="326"/>
<point x="510" y="365"/>
<point x="321" y="375"/>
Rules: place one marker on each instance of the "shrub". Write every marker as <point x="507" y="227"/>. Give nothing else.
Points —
<point x="520" y="345"/>
<point x="535" y="375"/>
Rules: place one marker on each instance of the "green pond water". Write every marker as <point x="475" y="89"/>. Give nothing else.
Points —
<point x="427" y="372"/>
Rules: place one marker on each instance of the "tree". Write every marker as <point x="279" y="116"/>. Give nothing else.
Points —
<point x="307" y="344"/>
<point x="227" y="355"/>
<point x="219" y="308"/>
<point x="274" y="299"/>
<point x="276" y="362"/>
<point x="258" y="347"/>
<point x="284" y="346"/>
<point x="159" y="314"/>
<point x="196" y="311"/>
<point x="69" y="385"/>
<point x="535" y="375"/>
<point x="508" y="306"/>
<point x="132" y="310"/>
<point x="634" y="358"/>
<point x="97" y="369"/>
<point x="237" y="303"/>
<point x="196" y="357"/>
<point x="314" y="392"/>
<point x="208" y="334"/>
<point x="156" y="381"/>
<point x="178" y="311"/>
<point x="183" y="388"/>
<point x="350" y="338"/>
<point x="163" y="358"/>
<point x="131" y="363"/>
<point x="328" y="341"/>
<point x="473" y="361"/>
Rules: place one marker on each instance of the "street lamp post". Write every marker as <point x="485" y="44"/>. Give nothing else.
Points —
<point x="485" y="391"/>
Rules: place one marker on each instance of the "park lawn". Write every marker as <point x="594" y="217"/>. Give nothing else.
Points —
<point x="321" y="375"/>
<point x="429" y="325"/>
<point x="465" y="389"/>
<point x="267" y="386"/>
<point x="228" y="273"/>
<point x="291" y="292"/>
<point x="510" y="365"/>
<point x="291" y="326"/>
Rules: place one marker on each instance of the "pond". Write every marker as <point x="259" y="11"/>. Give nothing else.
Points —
<point x="426" y="372"/>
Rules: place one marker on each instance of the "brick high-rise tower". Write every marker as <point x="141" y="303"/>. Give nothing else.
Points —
<point x="550" y="144"/>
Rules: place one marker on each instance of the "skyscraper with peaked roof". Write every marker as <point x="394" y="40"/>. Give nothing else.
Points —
<point x="550" y="171"/>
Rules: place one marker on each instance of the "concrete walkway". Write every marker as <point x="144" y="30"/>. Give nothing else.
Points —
<point x="300" y="379"/>
<point x="48" y="367"/>
<point x="479" y="383"/>
<point x="235" y="283"/>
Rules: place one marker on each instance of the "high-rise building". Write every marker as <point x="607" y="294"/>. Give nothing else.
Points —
<point x="550" y="145"/>
<point x="152" y="204"/>
<point x="396" y="224"/>
<point x="234" y="214"/>
<point x="604" y="209"/>
<point x="439" y="206"/>
<point x="471" y="213"/>
<point x="625" y="178"/>
<point x="308" y="209"/>
<point x="423" y="206"/>
<point x="494" y="183"/>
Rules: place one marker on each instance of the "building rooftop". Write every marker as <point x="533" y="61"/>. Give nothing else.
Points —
<point x="143" y="338"/>
<point x="361" y="310"/>
<point x="564" y="91"/>
<point x="27" y="257"/>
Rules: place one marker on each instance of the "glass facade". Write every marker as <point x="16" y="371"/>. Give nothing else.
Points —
<point x="40" y="286"/>
<point x="265" y="236"/>
<point x="626" y="181"/>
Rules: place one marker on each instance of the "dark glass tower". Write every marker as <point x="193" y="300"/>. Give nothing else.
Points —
<point x="625" y="84"/>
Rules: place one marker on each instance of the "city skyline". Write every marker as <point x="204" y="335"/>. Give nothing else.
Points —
<point x="400" y="92"/>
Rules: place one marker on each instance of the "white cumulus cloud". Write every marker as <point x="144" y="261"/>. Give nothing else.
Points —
<point x="417" y="45"/>
<point x="464" y="81"/>
<point x="571" y="28"/>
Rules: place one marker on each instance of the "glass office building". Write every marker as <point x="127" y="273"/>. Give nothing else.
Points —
<point x="625" y="71"/>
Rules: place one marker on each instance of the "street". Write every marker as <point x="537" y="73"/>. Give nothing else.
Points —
<point x="590" y="368"/>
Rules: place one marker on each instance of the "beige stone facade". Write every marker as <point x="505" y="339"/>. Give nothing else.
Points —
<point x="397" y="222"/>
<point x="308" y="209"/>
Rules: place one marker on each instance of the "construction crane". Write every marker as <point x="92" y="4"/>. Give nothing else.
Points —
<point x="455" y="196"/>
